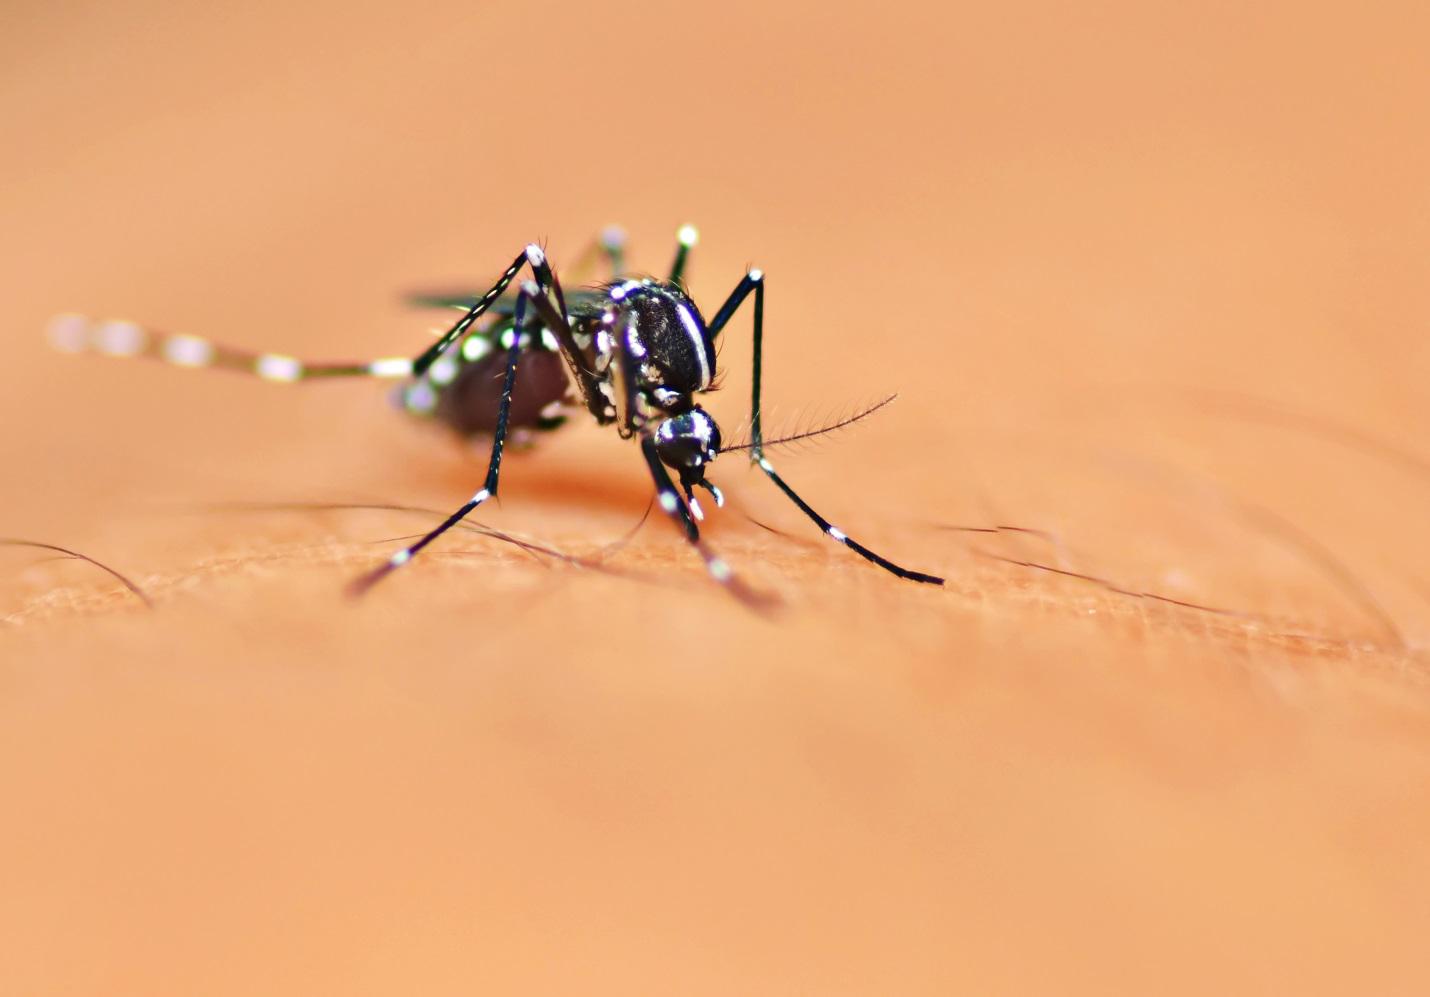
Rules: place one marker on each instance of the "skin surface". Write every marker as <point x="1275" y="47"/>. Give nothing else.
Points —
<point x="1150" y="282"/>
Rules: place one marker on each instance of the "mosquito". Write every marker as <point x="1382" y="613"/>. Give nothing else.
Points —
<point x="635" y="352"/>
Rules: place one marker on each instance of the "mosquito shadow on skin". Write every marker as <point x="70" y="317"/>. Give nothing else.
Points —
<point x="542" y="554"/>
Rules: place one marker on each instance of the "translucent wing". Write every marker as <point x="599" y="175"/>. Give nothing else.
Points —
<point x="580" y="302"/>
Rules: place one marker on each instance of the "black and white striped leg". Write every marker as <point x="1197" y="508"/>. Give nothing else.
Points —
<point x="122" y="338"/>
<point x="529" y="293"/>
<point x="669" y="499"/>
<point x="118" y="338"/>
<point x="675" y="507"/>
<point x="552" y="316"/>
<point x="686" y="238"/>
<point x="532" y="255"/>
<point x="633" y="422"/>
<point x="754" y="281"/>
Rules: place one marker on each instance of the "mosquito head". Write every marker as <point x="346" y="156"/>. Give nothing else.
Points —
<point x="687" y="443"/>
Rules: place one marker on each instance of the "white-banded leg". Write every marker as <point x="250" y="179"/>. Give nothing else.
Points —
<point x="672" y="503"/>
<point x="754" y="281"/>
<point x="120" y="338"/>
<point x="685" y="239"/>
<point x="551" y="311"/>
<point x="610" y="244"/>
<point x="530" y="293"/>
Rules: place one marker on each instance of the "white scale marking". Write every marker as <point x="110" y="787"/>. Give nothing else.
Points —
<point x="390" y="367"/>
<point x="633" y="341"/>
<point x="837" y="534"/>
<point x="69" y="333"/>
<point x="119" y="339"/>
<point x="668" y="501"/>
<point x="400" y="558"/>
<point x="719" y="570"/>
<point x="476" y="347"/>
<point x="697" y="343"/>
<point x="276" y="367"/>
<point x="444" y="371"/>
<point x="620" y="292"/>
<point x="420" y="397"/>
<point x="188" y="351"/>
<point x="703" y="426"/>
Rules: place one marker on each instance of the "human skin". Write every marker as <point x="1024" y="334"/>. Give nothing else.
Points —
<point x="1150" y="290"/>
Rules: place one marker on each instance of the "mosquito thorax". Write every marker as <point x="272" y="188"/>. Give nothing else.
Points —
<point x="667" y="334"/>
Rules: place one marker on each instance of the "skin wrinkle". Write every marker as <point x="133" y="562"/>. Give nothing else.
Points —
<point x="1255" y="627"/>
<point x="1263" y="520"/>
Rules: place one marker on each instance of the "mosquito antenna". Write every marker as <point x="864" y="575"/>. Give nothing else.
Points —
<point x="810" y="434"/>
<point x="135" y="589"/>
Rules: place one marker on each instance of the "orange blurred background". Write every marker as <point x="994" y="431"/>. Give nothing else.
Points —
<point x="1149" y="280"/>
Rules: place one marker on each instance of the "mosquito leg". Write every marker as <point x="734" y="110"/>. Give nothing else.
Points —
<point x="674" y="506"/>
<point x="610" y="243"/>
<point x="687" y="237"/>
<point x="613" y="244"/>
<point x="530" y="292"/>
<point x="119" y="338"/>
<point x="76" y="333"/>
<point x="754" y="281"/>
<point x="632" y="422"/>
<point x="533" y="255"/>
<point x="553" y="318"/>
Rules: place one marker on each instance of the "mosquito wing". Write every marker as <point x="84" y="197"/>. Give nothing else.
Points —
<point x="582" y="302"/>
